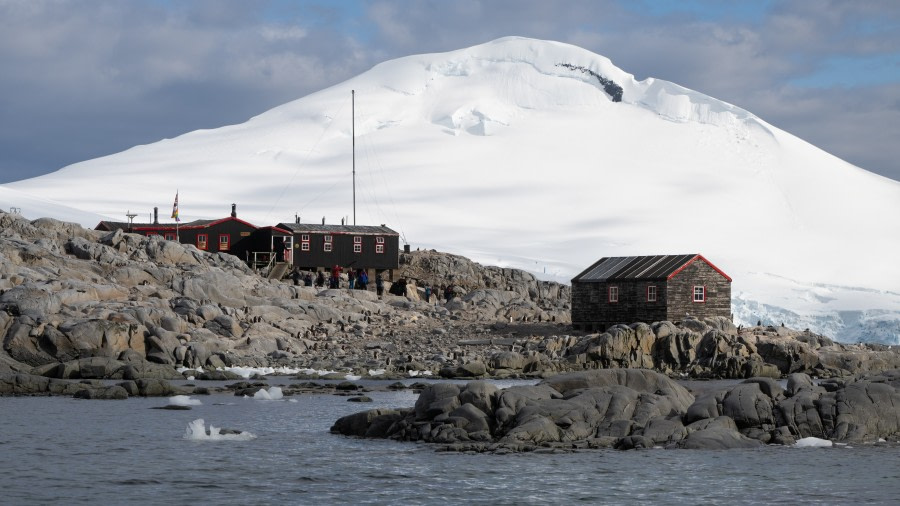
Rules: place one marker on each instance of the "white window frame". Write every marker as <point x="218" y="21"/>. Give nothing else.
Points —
<point x="379" y="240"/>
<point x="357" y="239"/>
<point x="326" y="247"/>
<point x="613" y="295"/>
<point x="304" y="246"/>
<point x="357" y="248"/>
<point x="698" y="290"/>
<point x="379" y="248"/>
<point x="304" y="237"/>
<point x="652" y="293"/>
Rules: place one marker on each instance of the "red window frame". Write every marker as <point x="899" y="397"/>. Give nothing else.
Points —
<point x="652" y="293"/>
<point x="170" y="236"/>
<point x="202" y="241"/>
<point x="224" y="245"/>
<point x="613" y="294"/>
<point x="698" y="290"/>
<point x="379" y="248"/>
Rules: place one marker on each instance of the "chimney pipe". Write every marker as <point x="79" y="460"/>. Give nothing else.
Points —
<point x="234" y="210"/>
<point x="296" y="218"/>
<point x="323" y="220"/>
<point x="156" y="216"/>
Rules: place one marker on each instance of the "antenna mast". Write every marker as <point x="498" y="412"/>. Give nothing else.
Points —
<point x="353" y="134"/>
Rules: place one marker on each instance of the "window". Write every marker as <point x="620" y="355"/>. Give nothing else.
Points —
<point x="304" y="246"/>
<point x="170" y="236"/>
<point x="699" y="294"/>
<point x="614" y="294"/>
<point x="379" y="240"/>
<point x="379" y="248"/>
<point x="327" y="238"/>
<point x="651" y="293"/>
<point x="201" y="241"/>
<point x="224" y="242"/>
<point x="327" y="247"/>
<point x="304" y="237"/>
<point x="357" y="240"/>
<point x="357" y="248"/>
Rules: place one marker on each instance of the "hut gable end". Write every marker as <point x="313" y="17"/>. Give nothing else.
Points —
<point x="649" y="288"/>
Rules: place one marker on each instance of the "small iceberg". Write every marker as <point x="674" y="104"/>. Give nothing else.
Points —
<point x="196" y="431"/>
<point x="813" y="442"/>
<point x="272" y="394"/>
<point x="183" y="400"/>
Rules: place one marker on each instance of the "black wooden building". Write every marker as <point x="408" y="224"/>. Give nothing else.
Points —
<point x="648" y="289"/>
<point x="252" y="244"/>
<point x="319" y="247"/>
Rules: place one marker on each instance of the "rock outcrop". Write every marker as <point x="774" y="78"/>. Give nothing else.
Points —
<point x="636" y="408"/>
<point x="83" y="304"/>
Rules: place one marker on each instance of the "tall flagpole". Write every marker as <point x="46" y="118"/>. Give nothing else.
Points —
<point x="353" y="134"/>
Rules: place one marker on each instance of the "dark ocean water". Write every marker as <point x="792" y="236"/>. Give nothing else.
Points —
<point x="56" y="450"/>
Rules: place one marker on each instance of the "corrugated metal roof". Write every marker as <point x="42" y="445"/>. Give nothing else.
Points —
<point x="654" y="267"/>
<point x="338" y="229"/>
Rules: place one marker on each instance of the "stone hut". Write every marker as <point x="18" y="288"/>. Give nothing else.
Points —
<point x="647" y="289"/>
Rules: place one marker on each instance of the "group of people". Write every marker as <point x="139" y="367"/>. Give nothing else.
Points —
<point x="357" y="279"/>
<point x="444" y="291"/>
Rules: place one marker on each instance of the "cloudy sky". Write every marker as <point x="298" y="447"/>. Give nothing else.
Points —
<point x="81" y="79"/>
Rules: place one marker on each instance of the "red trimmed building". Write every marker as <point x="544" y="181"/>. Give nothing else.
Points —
<point x="252" y="244"/>
<point x="648" y="289"/>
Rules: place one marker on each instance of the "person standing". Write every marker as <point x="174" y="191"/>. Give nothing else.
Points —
<point x="427" y="294"/>
<point x="336" y="276"/>
<point x="351" y="278"/>
<point x="379" y="285"/>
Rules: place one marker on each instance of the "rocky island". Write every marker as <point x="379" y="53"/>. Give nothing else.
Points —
<point x="109" y="315"/>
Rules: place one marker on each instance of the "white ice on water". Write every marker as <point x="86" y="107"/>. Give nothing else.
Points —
<point x="272" y="394"/>
<point x="196" y="431"/>
<point x="813" y="442"/>
<point x="183" y="400"/>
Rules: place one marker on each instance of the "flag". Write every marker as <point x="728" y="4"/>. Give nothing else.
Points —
<point x="175" y="208"/>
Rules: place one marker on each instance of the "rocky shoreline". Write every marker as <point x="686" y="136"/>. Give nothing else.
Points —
<point x="80" y="308"/>
<point x="639" y="408"/>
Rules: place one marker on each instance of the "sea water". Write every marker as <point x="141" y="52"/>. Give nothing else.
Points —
<point x="59" y="450"/>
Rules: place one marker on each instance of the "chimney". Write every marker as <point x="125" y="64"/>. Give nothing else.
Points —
<point x="342" y="221"/>
<point x="156" y="216"/>
<point x="234" y="210"/>
<point x="296" y="218"/>
<point x="323" y="220"/>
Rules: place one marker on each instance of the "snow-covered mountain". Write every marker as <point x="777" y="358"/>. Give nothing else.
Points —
<point x="543" y="156"/>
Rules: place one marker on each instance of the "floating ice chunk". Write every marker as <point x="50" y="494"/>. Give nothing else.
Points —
<point x="352" y="377"/>
<point x="376" y="372"/>
<point x="196" y="431"/>
<point x="183" y="400"/>
<point x="272" y="394"/>
<point x="813" y="442"/>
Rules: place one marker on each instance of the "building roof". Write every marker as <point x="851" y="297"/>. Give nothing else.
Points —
<point x="639" y="268"/>
<point x="338" y="229"/>
<point x="196" y="224"/>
